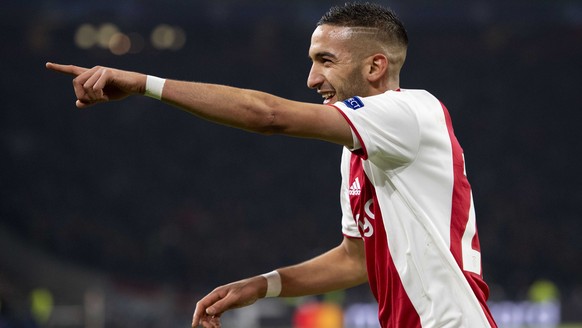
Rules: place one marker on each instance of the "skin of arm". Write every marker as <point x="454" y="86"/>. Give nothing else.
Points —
<point x="342" y="267"/>
<point x="245" y="109"/>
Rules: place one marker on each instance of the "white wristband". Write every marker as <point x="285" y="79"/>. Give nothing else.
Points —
<point x="273" y="283"/>
<point x="154" y="87"/>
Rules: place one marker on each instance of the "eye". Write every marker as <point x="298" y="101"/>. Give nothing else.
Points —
<point x="324" y="58"/>
<point x="326" y="61"/>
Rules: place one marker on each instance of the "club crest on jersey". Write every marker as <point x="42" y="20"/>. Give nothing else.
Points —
<point x="354" y="103"/>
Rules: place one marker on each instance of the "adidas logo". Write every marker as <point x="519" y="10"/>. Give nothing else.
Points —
<point x="355" y="188"/>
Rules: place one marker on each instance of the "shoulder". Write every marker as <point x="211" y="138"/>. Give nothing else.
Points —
<point x="390" y="98"/>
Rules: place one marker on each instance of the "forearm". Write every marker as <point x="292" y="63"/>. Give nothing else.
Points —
<point x="241" y="108"/>
<point x="340" y="268"/>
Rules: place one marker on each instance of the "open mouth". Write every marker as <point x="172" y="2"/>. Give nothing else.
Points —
<point x="328" y="97"/>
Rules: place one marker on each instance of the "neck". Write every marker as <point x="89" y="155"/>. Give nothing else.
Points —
<point x="383" y="86"/>
<point x="393" y="85"/>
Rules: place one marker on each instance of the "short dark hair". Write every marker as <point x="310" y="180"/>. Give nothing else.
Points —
<point x="353" y="14"/>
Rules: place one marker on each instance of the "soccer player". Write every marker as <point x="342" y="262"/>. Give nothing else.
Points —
<point x="408" y="218"/>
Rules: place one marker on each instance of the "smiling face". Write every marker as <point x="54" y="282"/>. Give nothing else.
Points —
<point x="339" y="65"/>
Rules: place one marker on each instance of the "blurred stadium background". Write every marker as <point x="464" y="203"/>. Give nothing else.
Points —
<point x="126" y="214"/>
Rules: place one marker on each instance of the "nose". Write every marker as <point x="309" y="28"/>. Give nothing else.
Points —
<point x="315" y="78"/>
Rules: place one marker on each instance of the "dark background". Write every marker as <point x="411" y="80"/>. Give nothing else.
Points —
<point x="143" y="192"/>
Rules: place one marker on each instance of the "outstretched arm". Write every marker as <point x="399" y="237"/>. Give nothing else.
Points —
<point x="240" y="108"/>
<point x="340" y="268"/>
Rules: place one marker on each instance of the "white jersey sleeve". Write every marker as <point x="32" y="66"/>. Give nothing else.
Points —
<point x="391" y="137"/>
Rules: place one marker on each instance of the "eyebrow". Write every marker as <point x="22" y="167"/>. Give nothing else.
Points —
<point x="322" y="54"/>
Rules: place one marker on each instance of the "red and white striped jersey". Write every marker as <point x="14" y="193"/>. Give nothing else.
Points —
<point x="405" y="192"/>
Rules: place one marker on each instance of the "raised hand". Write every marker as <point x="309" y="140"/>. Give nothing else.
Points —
<point x="101" y="84"/>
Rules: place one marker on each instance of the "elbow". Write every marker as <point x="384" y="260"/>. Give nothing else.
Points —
<point x="265" y="124"/>
<point x="262" y="123"/>
<point x="264" y="115"/>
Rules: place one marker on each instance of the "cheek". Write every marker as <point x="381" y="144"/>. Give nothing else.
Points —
<point x="355" y="84"/>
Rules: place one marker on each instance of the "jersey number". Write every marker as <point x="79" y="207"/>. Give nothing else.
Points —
<point x="471" y="256"/>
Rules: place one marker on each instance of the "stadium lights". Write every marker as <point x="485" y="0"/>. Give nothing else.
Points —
<point x="168" y="37"/>
<point x="109" y="36"/>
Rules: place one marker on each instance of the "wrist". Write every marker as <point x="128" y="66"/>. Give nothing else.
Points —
<point x="154" y="87"/>
<point x="273" y="283"/>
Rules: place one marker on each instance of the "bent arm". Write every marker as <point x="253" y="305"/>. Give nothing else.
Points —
<point x="342" y="267"/>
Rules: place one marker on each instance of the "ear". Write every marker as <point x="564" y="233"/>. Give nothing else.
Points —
<point x="378" y="67"/>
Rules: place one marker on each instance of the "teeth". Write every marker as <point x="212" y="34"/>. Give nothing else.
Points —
<point x="327" y="95"/>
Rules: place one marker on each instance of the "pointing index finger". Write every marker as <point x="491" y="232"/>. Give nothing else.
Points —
<point x="66" y="69"/>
